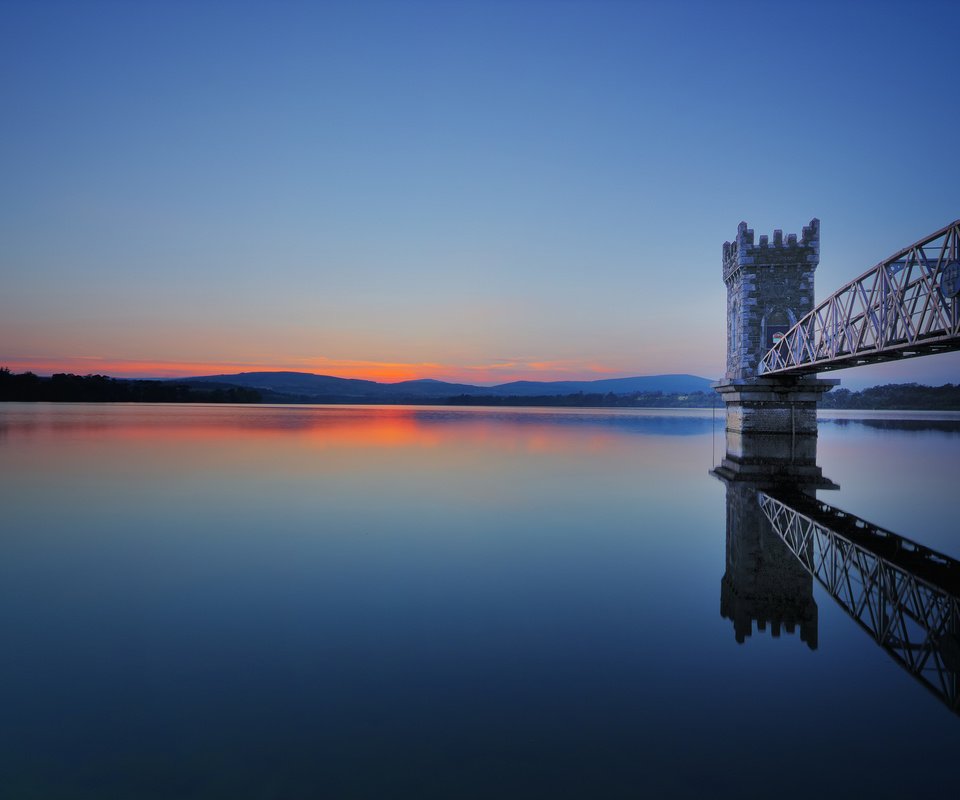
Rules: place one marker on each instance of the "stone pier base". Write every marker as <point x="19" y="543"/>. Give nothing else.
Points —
<point x="771" y="406"/>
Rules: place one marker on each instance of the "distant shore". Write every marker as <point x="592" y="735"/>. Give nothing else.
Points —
<point x="28" y="387"/>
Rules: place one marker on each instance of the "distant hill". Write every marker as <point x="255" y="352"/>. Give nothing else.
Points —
<point x="292" y="383"/>
<point x="657" y="391"/>
<point x="304" y="385"/>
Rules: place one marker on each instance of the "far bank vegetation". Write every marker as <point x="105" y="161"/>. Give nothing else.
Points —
<point x="65" y="387"/>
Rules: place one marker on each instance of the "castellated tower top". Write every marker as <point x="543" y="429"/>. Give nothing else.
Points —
<point x="769" y="288"/>
<point x="742" y="252"/>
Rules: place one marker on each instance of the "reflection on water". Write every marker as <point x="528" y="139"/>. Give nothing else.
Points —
<point x="378" y="425"/>
<point x="427" y="602"/>
<point x="764" y="583"/>
<point x="780" y="537"/>
<point x="901" y="593"/>
<point x="931" y="423"/>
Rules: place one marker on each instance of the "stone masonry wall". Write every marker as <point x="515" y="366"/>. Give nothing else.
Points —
<point x="761" y="418"/>
<point x="769" y="285"/>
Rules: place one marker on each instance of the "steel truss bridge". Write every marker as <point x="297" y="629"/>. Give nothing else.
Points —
<point x="908" y="305"/>
<point x="903" y="594"/>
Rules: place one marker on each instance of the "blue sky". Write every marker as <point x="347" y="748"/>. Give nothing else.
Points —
<point x="479" y="191"/>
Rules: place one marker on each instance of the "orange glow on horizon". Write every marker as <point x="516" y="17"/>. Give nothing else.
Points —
<point x="380" y="371"/>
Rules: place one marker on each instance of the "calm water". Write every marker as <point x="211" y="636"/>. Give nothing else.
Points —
<point x="347" y="602"/>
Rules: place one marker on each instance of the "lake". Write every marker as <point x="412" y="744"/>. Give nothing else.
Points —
<point x="428" y="602"/>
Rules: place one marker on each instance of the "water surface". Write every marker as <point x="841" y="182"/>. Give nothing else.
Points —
<point x="286" y="602"/>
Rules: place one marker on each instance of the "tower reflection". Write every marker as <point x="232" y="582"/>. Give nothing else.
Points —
<point x="780" y="538"/>
<point x="764" y="583"/>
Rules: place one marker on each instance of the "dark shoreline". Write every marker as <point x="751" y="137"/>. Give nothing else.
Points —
<point x="28" y="387"/>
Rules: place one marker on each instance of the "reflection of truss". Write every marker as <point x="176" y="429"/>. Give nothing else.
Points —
<point x="908" y="305"/>
<point x="902" y="594"/>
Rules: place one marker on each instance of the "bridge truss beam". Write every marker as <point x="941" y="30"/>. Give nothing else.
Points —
<point x="908" y="305"/>
<point x="901" y="593"/>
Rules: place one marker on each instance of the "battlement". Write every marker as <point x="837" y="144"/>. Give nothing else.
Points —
<point x="769" y="288"/>
<point x="742" y="251"/>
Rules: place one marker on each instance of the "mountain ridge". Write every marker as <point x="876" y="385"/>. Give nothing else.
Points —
<point x="309" y="384"/>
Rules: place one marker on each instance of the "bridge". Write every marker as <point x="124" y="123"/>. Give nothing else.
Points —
<point x="906" y="306"/>
<point x="780" y="537"/>
<point x="904" y="595"/>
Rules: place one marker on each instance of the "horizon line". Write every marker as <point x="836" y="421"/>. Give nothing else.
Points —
<point x="139" y="370"/>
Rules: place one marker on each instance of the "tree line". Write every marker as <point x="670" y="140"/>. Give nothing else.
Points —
<point x="899" y="396"/>
<point x="66" y="387"/>
<point x="903" y="396"/>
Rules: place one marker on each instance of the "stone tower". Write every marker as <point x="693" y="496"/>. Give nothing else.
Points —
<point x="769" y="288"/>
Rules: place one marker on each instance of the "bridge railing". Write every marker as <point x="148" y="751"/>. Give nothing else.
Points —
<point x="908" y="305"/>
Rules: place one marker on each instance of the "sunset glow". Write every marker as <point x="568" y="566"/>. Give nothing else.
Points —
<point x="393" y="211"/>
<point x="438" y="399"/>
<point x="364" y="370"/>
<point x="375" y="195"/>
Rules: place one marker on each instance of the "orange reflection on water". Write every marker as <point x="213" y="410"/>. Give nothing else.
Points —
<point x="387" y="427"/>
<point x="291" y="440"/>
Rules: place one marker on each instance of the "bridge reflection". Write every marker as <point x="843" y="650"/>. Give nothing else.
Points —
<point x="901" y="593"/>
<point x="780" y="538"/>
